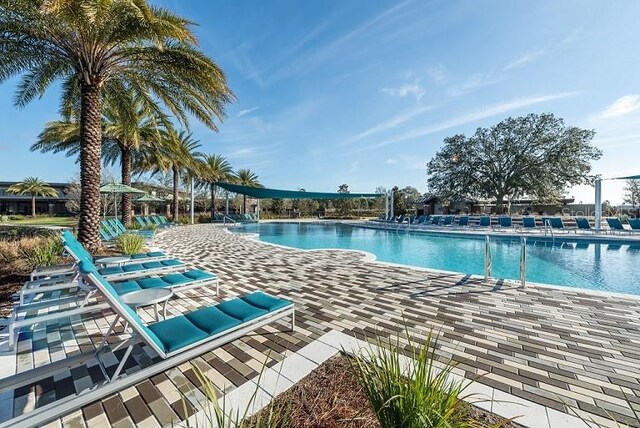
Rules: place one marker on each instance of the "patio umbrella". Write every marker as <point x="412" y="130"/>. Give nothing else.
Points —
<point x="147" y="198"/>
<point x="118" y="189"/>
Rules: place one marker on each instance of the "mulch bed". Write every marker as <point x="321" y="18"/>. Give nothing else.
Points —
<point x="331" y="397"/>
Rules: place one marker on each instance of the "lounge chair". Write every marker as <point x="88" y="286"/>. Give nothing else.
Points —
<point x="117" y="225"/>
<point x="463" y="221"/>
<point x="140" y="221"/>
<point x="557" y="223"/>
<point x="505" y="222"/>
<point x="582" y="223"/>
<point x="435" y="220"/>
<point x="448" y="220"/>
<point x="175" y="340"/>
<point x="634" y="223"/>
<point x="485" y="221"/>
<point x="616" y="225"/>
<point x="164" y="220"/>
<point x="136" y="269"/>
<point x="529" y="223"/>
<point x="418" y="220"/>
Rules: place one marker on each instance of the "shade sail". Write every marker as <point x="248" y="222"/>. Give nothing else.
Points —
<point x="262" y="193"/>
<point x="631" y="177"/>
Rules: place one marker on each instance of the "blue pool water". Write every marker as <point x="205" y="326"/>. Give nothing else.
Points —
<point x="597" y="266"/>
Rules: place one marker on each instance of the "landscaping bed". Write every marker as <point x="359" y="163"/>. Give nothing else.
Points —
<point x="331" y="397"/>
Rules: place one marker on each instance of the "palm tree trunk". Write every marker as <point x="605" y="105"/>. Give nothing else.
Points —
<point x="90" y="152"/>
<point x="125" y="159"/>
<point x="176" y="184"/>
<point x="33" y="206"/>
<point x="213" y="201"/>
<point x="244" y="204"/>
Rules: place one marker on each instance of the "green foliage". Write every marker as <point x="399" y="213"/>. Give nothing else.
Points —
<point x="129" y="243"/>
<point x="632" y="193"/>
<point x="41" y="253"/>
<point x="535" y="156"/>
<point x="222" y="415"/>
<point x="148" y="226"/>
<point x="203" y="218"/>
<point x="343" y="206"/>
<point x="414" y="395"/>
<point x="16" y="217"/>
<point x="134" y="225"/>
<point x="34" y="187"/>
<point x="183" y="219"/>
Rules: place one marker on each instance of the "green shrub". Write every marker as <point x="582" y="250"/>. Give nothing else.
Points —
<point x="129" y="243"/>
<point x="134" y="225"/>
<point x="183" y="219"/>
<point x="149" y="227"/>
<point x="203" y="218"/>
<point x="414" y="395"/>
<point x="40" y="252"/>
<point x="16" y="217"/>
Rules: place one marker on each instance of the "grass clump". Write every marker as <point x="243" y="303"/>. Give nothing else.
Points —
<point x="149" y="227"/>
<point x="22" y="255"/>
<point x="221" y="415"/>
<point x="413" y="392"/>
<point x="129" y="243"/>
<point x="134" y="226"/>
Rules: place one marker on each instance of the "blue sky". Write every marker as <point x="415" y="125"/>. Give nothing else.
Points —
<point x="363" y="93"/>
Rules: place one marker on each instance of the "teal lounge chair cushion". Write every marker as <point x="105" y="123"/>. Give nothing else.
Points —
<point x="147" y="255"/>
<point x="212" y="320"/>
<point x="241" y="310"/>
<point x="264" y="301"/>
<point x="176" y="333"/>
<point x="135" y="267"/>
<point x="126" y="287"/>
<point x="150" y="283"/>
<point x="197" y="274"/>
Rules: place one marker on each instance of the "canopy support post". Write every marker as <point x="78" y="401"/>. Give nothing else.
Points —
<point x="192" y="202"/>
<point x="391" y="208"/>
<point x="386" y="206"/>
<point x="258" y="213"/>
<point x="598" y="204"/>
<point x="226" y="207"/>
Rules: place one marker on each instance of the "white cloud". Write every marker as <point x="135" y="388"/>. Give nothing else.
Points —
<point x="437" y="74"/>
<point x="525" y="58"/>
<point x="398" y="119"/>
<point x="470" y="118"/>
<point x="247" y="111"/>
<point x="404" y="90"/>
<point x="474" y="82"/>
<point x="391" y="161"/>
<point x="621" y="106"/>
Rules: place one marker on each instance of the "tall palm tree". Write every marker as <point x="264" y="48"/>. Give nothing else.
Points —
<point x="246" y="177"/>
<point x="216" y="168"/>
<point x="128" y="128"/>
<point x="107" y="46"/>
<point x="176" y="153"/>
<point x="35" y="187"/>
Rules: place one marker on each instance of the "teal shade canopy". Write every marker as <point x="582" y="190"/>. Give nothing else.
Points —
<point x="119" y="188"/>
<point x="262" y="193"/>
<point x="631" y="177"/>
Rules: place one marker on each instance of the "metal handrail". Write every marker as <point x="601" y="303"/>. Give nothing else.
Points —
<point x="488" y="258"/>
<point x="224" y="220"/>
<point x="547" y="227"/>
<point x="523" y="262"/>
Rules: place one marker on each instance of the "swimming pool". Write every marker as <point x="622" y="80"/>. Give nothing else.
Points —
<point x="598" y="266"/>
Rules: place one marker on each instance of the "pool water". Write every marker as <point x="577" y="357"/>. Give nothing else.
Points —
<point x="596" y="266"/>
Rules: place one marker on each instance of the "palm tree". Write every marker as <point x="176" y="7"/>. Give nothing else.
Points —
<point x="246" y="177"/>
<point x="176" y="153"/>
<point x="115" y="46"/>
<point x="35" y="187"/>
<point x="128" y="128"/>
<point x="215" y="169"/>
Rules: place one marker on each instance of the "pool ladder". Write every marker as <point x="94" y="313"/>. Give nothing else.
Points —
<point x="547" y="228"/>
<point x="488" y="260"/>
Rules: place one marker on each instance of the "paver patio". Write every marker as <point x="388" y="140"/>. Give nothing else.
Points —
<point x="557" y="347"/>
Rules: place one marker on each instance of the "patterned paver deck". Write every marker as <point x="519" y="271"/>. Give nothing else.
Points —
<point x="557" y="347"/>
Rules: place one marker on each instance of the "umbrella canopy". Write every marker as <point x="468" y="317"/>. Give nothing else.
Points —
<point x="149" y="198"/>
<point x="119" y="188"/>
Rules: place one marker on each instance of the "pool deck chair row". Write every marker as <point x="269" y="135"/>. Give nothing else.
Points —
<point x="175" y="340"/>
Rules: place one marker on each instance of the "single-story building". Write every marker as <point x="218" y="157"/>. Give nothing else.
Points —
<point x="21" y="204"/>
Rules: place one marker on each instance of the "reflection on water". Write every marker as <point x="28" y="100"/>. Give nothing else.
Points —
<point x="614" y="267"/>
